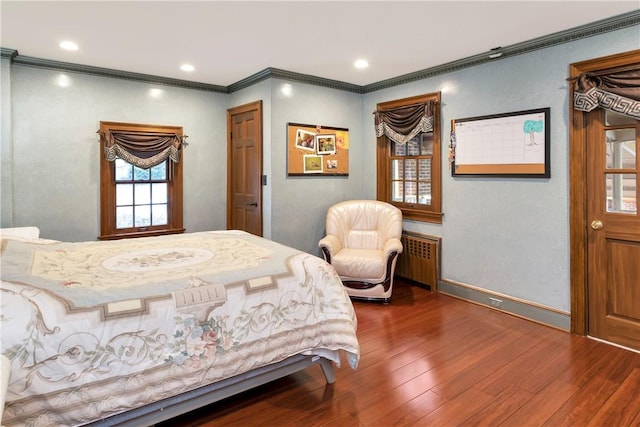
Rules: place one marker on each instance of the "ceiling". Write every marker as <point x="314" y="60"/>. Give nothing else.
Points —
<point x="228" y="41"/>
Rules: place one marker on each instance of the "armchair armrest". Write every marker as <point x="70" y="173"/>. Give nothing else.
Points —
<point x="392" y="245"/>
<point x="330" y="245"/>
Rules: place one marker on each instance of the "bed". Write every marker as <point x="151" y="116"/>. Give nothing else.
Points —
<point x="136" y="331"/>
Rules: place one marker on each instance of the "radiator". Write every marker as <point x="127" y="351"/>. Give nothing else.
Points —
<point x="420" y="259"/>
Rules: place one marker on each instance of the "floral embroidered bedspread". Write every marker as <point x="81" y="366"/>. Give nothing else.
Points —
<point x="98" y="328"/>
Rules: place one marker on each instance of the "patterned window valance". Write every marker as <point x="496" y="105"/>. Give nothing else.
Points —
<point x="142" y="149"/>
<point x="616" y="90"/>
<point x="403" y="123"/>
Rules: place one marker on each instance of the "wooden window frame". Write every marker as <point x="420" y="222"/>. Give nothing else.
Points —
<point x="108" y="230"/>
<point x="414" y="211"/>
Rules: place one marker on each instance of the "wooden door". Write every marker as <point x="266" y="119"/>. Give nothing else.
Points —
<point x="604" y="219"/>
<point x="613" y="253"/>
<point x="613" y="242"/>
<point x="244" y="168"/>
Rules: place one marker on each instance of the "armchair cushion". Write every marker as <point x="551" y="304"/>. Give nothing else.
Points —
<point x="360" y="264"/>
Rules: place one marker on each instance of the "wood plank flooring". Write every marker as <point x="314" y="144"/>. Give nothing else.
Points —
<point x="428" y="359"/>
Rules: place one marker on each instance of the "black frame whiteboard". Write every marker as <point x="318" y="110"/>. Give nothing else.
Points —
<point x="510" y="144"/>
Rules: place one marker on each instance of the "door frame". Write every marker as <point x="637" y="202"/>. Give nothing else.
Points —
<point x="577" y="184"/>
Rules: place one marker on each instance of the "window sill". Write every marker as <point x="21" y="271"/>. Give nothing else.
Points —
<point x="418" y="215"/>
<point x="148" y="233"/>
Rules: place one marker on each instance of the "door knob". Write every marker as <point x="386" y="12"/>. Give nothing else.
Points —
<point x="254" y="204"/>
<point x="596" y="224"/>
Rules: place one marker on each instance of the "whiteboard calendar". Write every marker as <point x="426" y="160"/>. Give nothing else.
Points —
<point x="512" y="144"/>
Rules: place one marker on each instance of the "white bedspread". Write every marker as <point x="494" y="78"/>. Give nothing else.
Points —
<point x="97" y="328"/>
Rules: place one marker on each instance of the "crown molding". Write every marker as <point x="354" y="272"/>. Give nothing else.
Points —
<point x="277" y="73"/>
<point x="584" y="31"/>
<point x="588" y="30"/>
<point x="8" y="53"/>
<point x="108" y="72"/>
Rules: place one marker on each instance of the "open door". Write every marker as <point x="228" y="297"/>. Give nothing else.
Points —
<point x="605" y="221"/>
<point x="244" y="168"/>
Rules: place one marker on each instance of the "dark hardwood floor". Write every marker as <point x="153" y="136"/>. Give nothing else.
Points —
<point x="428" y="359"/>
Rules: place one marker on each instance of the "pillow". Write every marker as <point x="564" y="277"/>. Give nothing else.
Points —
<point x="24" y="232"/>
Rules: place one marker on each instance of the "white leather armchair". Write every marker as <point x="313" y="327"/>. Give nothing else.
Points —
<point x="363" y="244"/>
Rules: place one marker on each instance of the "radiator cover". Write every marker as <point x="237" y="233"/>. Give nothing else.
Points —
<point x="420" y="259"/>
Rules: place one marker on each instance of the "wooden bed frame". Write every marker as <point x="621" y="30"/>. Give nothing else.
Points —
<point x="171" y="407"/>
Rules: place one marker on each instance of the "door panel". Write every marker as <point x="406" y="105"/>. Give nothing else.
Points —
<point x="613" y="221"/>
<point x="244" y="174"/>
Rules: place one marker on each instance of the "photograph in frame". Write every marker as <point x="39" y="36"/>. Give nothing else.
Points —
<point x="305" y="140"/>
<point x="326" y="144"/>
<point x="312" y="163"/>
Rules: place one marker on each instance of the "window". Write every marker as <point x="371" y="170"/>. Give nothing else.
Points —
<point x="141" y="180"/>
<point x="141" y="195"/>
<point x="621" y="171"/>
<point x="408" y="152"/>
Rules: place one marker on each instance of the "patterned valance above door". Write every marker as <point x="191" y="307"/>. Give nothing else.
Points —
<point x="615" y="90"/>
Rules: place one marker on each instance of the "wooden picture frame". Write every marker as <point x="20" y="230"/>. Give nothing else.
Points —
<point x="314" y="150"/>
<point x="509" y="145"/>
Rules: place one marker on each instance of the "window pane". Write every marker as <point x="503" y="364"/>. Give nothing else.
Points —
<point x="159" y="214"/>
<point x="621" y="149"/>
<point x="397" y="169"/>
<point x="410" y="169"/>
<point x="424" y="193"/>
<point x="124" y="170"/>
<point x="399" y="149"/>
<point x="124" y="217"/>
<point x="427" y="143"/>
<point x="621" y="193"/>
<point x="410" y="192"/>
<point x="613" y="118"/>
<point x="159" y="193"/>
<point x="397" y="194"/>
<point x="124" y="194"/>
<point x="159" y="172"/>
<point x="413" y="147"/>
<point x="143" y="216"/>
<point x="424" y="169"/>
<point x="143" y="194"/>
<point x="140" y="174"/>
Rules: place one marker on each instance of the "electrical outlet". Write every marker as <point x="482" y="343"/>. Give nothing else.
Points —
<point x="495" y="302"/>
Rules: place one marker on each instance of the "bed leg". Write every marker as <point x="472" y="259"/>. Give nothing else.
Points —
<point x="328" y="371"/>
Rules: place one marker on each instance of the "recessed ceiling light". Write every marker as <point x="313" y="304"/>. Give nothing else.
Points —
<point x="361" y="63"/>
<point x="68" y="45"/>
<point x="187" y="67"/>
